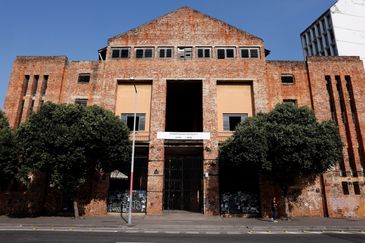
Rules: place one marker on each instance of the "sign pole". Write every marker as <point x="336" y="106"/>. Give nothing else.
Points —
<point x="132" y="159"/>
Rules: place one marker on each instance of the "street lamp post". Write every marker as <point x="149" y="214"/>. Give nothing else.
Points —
<point x="132" y="159"/>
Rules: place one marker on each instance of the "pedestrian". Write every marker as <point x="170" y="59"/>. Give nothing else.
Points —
<point x="274" y="210"/>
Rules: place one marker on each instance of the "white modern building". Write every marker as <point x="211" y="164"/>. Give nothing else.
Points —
<point x="339" y="31"/>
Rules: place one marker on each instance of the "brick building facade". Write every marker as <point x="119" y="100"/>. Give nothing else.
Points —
<point x="194" y="73"/>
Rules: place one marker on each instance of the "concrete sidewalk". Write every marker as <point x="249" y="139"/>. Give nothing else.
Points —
<point x="182" y="222"/>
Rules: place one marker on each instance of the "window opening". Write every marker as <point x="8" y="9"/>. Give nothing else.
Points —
<point x="184" y="52"/>
<point x="31" y="108"/>
<point x="291" y="101"/>
<point x="144" y="52"/>
<point x="84" y="78"/>
<point x="223" y="53"/>
<point x="35" y="85"/>
<point x="203" y="52"/>
<point x="44" y="85"/>
<point x="357" y="190"/>
<point x="20" y="112"/>
<point x="81" y="102"/>
<point x="345" y="188"/>
<point x="26" y="82"/>
<point x="128" y="119"/>
<point x="120" y="53"/>
<point x="331" y="98"/>
<point x="252" y="53"/>
<point x="165" y="52"/>
<point x="287" y="79"/>
<point x="230" y="121"/>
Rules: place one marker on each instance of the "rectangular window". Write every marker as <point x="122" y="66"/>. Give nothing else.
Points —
<point x="223" y="53"/>
<point x="44" y="85"/>
<point x="357" y="190"/>
<point x="230" y="121"/>
<point x="331" y="98"/>
<point x="250" y="52"/>
<point x="81" y="102"/>
<point x="287" y="79"/>
<point x="291" y="101"/>
<point x="120" y="53"/>
<point x="20" y="112"/>
<point x="342" y="100"/>
<point x="84" y="78"/>
<point x="184" y="52"/>
<point x="345" y="188"/>
<point x="165" y="52"/>
<point x="203" y="52"/>
<point x="35" y="85"/>
<point x="128" y="119"/>
<point x="31" y="108"/>
<point x="26" y="82"/>
<point x="144" y="52"/>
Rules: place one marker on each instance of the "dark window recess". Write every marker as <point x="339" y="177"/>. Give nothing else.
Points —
<point x="84" y="78"/>
<point x="128" y="119"/>
<point x="287" y="79"/>
<point x="355" y="119"/>
<point x="42" y="103"/>
<point x="203" y="52"/>
<point x="31" y="108"/>
<point x="184" y="116"/>
<point x="345" y="188"/>
<point x="115" y="53"/>
<point x="44" y="85"/>
<point x="184" y="52"/>
<point x="250" y="53"/>
<point x="344" y="119"/>
<point x="245" y="53"/>
<point x="165" y="52"/>
<point x="254" y="53"/>
<point x="342" y="100"/>
<point x="351" y="97"/>
<point x="20" y="113"/>
<point x="331" y="98"/>
<point x="291" y="101"/>
<point x="81" y="102"/>
<point x="26" y="83"/>
<point x="144" y="52"/>
<point x="223" y="53"/>
<point x="230" y="121"/>
<point x="35" y="85"/>
<point x="357" y="190"/>
<point x="120" y="53"/>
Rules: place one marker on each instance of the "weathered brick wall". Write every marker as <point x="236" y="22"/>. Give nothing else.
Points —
<point x="186" y="27"/>
<point x="340" y="205"/>
<point x="52" y="66"/>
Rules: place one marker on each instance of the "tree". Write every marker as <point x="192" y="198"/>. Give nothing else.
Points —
<point x="8" y="153"/>
<point x="71" y="142"/>
<point x="286" y="145"/>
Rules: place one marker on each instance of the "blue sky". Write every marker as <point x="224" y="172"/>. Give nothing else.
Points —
<point x="78" y="28"/>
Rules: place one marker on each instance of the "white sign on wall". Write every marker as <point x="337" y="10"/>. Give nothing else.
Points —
<point x="184" y="135"/>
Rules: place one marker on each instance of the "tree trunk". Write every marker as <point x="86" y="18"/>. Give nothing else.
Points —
<point x="286" y="206"/>
<point x="286" y="201"/>
<point x="76" y="209"/>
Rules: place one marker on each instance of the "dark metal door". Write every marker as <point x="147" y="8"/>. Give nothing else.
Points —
<point x="183" y="190"/>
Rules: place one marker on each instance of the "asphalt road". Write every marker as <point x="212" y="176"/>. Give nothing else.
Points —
<point x="116" y="237"/>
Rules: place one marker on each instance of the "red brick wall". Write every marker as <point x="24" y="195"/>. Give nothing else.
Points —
<point x="186" y="27"/>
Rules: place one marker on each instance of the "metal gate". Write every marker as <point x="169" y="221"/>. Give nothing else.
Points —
<point x="183" y="184"/>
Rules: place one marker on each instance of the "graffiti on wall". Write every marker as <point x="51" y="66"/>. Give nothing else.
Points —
<point x="119" y="201"/>
<point x="239" y="203"/>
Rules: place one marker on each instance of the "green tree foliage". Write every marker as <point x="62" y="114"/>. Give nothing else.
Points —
<point x="8" y="153"/>
<point x="285" y="145"/>
<point x="71" y="142"/>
